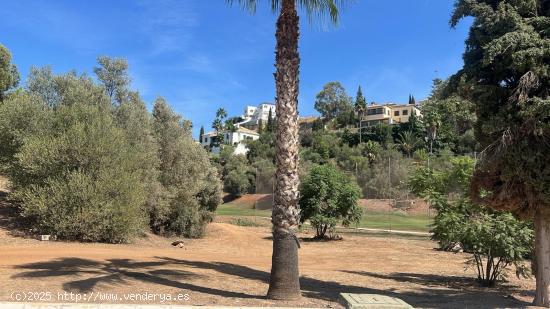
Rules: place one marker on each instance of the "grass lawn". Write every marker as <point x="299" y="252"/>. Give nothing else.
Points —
<point x="235" y="209"/>
<point x="371" y="219"/>
<point x="395" y="221"/>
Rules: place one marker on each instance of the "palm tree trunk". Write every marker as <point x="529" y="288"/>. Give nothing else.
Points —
<point x="284" y="281"/>
<point x="542" y="257"/>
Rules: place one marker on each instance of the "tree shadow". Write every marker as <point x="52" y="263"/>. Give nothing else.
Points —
<point x="436" y="291"/>
<point x="452" y="291"/>
<point x="425" y="297"/>
<point x="117" y="272"/>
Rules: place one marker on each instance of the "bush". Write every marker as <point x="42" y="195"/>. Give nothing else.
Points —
<point x="78" y="178"/>
<point x="238" y="176"/>
<point x="83" y="168"/>
<point x="495" y="239"/>
<point x="328" y="197"/>
<point x="236" y="183"/>
<point x="190" y="188"/>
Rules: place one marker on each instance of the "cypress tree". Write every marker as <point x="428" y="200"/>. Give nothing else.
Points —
<point x="261" y="125"/>
<point x="201" y="133"/>
<point x="270" y="121"/>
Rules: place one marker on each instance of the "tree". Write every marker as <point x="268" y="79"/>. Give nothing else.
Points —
<point x="260" y="126"/>
<point x="506" y="76"/>
<point x="360" y="102"/>
<point x="371" y="149"/>
<point x="191" y="189"/>
<point x="218" y="125"/>
<point x="333" y="101"/>
<point x="455" y="117"/>
<point x="284" y="280"/>
<point x="201" y="134"/>
<point x="360" y="108"/>
<point x="495" y="239"/>
<point x="412" y="101"/>
<point x="9" y="76"/>
<point x="113" y="74"/>
<point x="270" y="122"/>
<point x="238" y="176"/>
<point x="327" y="197"/>
<point x="42" y="81"/>
<point x="408" y="142"/>
<point x="75" y="171"/>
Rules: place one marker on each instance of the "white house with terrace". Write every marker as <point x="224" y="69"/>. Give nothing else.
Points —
<point x="235" y="138"/>
<point x="252" y="115"/>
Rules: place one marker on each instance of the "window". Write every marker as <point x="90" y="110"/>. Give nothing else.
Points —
<point x="405" y="112"/>
<point x="376" y="111"/>
<point x="396" y="113"/>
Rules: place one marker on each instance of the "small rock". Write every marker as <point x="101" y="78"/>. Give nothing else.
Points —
<point x="178" y="243"/>
<point x="457" y="247"/>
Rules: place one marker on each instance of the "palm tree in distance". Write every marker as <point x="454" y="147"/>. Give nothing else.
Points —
<point x="408" y="142"/>
<point x="284" y="280"/>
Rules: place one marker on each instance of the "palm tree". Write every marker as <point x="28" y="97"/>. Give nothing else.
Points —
<point x="408" y="142"/>
<point x="284" y="281"/>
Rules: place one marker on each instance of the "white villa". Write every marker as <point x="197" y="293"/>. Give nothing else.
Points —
<point x="253" y="114"/>
<point x="235" y="139"/>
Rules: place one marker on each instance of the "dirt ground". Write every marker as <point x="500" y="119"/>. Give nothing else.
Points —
<point x="230" y="266"/>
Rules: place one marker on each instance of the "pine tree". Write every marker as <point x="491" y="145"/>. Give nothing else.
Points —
<point x="506" y="76"/>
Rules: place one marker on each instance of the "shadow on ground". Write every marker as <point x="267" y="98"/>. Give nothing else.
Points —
<point x="434" y="291"/>
<point x="440" y="291"/>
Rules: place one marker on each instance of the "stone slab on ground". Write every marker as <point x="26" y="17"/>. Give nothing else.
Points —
<point x="372" y="301"/>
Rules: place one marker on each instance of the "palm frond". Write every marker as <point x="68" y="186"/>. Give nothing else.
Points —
<point x="315" y="9"/>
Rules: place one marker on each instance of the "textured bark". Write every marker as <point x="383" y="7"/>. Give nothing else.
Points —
<point x="284" y="281"/>
<point x="542" y="256"/>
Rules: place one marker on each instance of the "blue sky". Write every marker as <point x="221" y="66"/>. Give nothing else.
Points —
<point x="203" y="54"/>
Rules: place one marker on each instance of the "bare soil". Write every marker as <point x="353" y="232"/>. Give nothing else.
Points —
<point x="412" y="206"/>
<point x="230" y="266"/>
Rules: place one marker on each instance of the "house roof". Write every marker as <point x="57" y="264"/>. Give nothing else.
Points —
<point x="240" y="130"/>
<point x="308" y="119"/>
<point x="247" y="131"/>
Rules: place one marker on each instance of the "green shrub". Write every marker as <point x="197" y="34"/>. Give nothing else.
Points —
<point x="78" y="178"/>
<point x="245" y="222"/>
<point x="495" y="239"/>
<point x="190" y="190"/>
<point x="84" y="167"/>
<point x="327" y="197"/>
<point x="238" y="176"/>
